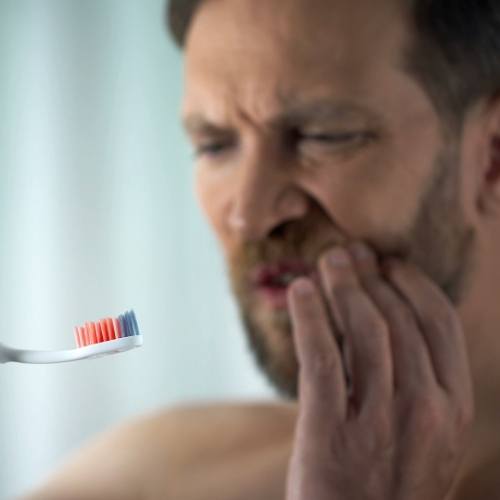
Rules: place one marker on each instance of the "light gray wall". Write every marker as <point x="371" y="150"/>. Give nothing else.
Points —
<point x="97" y="215"/>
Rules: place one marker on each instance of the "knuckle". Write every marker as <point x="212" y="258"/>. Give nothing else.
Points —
<point x="339" y="443"/>
<point x="308" y="318"/>
<point x="419" y="408"/>
<point x="382" y="428"/>
<point x="320" y="366"/>
<point x="394" y="308"/>
<point x="402" y="315"/>
<point x="345" y="293"/>
<point x="378" y="289"/>
<point x="464" y="417"/>
<point x="469" y="413"/>
<point x="377" y="325"/>
<point x="359" y="314"/>
<point x="444" y="320"/>
<point x="374" y="441"/>
<point x="428" y="413"/>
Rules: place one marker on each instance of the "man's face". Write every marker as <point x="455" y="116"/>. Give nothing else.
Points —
<point x="310" y="133"/>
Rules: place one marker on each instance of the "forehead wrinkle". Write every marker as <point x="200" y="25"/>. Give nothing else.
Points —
<point x="242" y="72"/>
<point x="204" y="120"/>
<point x="226" y="103"/>
<point x="288" y="105"/>
<point x="255" y="105"/>
<point x="289" y="112"/>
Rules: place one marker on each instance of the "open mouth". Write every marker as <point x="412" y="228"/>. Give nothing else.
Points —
<point x="271" y="281"/>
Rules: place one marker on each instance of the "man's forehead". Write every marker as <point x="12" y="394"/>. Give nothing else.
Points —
<point x="230" y="23"/>
<point x="290" y="112"/>
<point x="233" y="40"/>
<point x="276" y="65"/>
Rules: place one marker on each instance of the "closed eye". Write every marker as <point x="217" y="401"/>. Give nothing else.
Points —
<point x="211" y="148"/>
<point x="339" y="138"/>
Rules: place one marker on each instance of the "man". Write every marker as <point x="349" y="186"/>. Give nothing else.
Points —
<point x="348" y="159"/>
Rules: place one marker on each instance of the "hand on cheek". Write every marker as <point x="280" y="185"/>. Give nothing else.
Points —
<point x="411" y="399"/>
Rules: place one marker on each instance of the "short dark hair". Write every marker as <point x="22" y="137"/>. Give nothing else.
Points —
<point x="179" y="16"/>
<point x="455" y="54"/>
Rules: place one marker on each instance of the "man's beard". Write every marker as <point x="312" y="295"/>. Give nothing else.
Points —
<point x="439" y="243"/>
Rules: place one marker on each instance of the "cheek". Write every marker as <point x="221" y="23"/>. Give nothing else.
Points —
<point x="374" y="197"/>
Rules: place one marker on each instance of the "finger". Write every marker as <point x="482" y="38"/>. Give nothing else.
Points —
<point x="440" y="325"/>
<point x="364" y="328"/>
<point x="322" y="390"/>
<point x="412" y="368"/>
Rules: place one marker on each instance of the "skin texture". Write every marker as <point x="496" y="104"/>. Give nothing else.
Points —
<point x="278" y="175"/>
<point x="404" y="426"/>
<point x="298" y="197"/>
<point x="309" y="138"/>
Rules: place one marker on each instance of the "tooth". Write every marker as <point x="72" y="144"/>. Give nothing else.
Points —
<point x="287" y="278"/>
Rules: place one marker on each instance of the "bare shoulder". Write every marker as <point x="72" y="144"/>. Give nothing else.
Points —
<point x="152" y="456"/>
<point x="219" y="425"/>
<point x="236" y="451"/>
<point x="106" y="467"/>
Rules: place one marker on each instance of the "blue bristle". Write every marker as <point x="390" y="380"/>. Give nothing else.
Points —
<point x="127" y="322"/>
<point x="131" y="322"/>
<point x="121" y="319"/>
<point x="136" y="325"/>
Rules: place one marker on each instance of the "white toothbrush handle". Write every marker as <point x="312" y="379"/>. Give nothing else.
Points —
<point x="92" y="351"/>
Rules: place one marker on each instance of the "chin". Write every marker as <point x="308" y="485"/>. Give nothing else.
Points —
<point x="269" y="337"/>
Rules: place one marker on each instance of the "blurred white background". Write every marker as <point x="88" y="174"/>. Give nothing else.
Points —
<point x="98" y="215"/>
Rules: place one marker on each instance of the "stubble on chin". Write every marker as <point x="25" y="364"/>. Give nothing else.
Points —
<point x="270" y="339"/>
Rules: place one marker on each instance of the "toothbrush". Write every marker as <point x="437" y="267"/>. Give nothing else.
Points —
<point x="93" y="340"/>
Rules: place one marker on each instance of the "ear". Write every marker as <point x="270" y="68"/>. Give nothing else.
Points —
<point x="489" y="184"/>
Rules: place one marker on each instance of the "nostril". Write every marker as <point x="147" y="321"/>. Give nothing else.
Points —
<point x="278" y="232"/>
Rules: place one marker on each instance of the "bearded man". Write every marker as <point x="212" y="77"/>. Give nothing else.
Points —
<point x="348" y="160"/>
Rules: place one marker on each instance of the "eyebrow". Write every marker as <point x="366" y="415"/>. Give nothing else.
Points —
<point x="326" y="110"/>
<point x="295" y="114"/>
<point x="196" y="123"/>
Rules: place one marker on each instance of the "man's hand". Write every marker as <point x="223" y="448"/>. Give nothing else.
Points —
<point x="401" y="433"/>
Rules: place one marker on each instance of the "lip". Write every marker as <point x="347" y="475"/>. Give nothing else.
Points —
<point x="262" y="274"/>
<point x="276" y="296"/>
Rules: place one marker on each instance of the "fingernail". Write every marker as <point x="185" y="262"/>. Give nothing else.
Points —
<point x="361" y="251"/>
<point x="339" y="257"/>
<point x="304" y="287"/>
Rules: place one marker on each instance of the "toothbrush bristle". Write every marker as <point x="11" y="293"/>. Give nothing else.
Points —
<point x="107" y="329"/>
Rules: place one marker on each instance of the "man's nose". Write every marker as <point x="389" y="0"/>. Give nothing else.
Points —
<point x="266" y="196"/>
